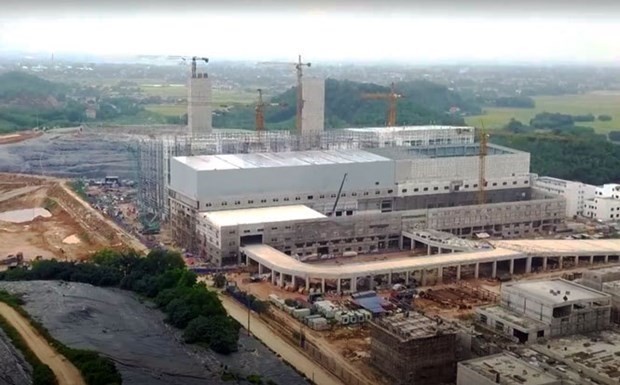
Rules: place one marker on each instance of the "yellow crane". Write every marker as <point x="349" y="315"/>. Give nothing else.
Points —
<point x="391" y="97"/>
<point x="260" y="111"/>
<point x="483" y="139"/>
<point x="300" y="98"/>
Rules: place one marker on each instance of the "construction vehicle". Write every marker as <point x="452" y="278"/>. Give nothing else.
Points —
<point x="338" y="196"/>
<point x="391" y="97"/>
<point x="300" y="98"/>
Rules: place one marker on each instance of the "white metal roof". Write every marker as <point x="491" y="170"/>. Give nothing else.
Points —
<point x="261" y="215"/>
<point x="381" y="130"/>
<point x="278" y="159"/>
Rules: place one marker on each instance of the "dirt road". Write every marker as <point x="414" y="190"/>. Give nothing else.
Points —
<point x="297" y="359"/>
<point x="65" y="372"/>
<point x="128" y="238"/>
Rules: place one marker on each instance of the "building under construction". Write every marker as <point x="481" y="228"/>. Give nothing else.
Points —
<point x="154" y="154"/>
<point x="413" y="349"/>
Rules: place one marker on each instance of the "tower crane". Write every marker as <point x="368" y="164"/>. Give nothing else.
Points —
<point x="260" y="111"/>
<point x="483" y="139"/>
<point x="300" y="98"/>
<point x="193" y="61"/>
<point x="391" y="97"/>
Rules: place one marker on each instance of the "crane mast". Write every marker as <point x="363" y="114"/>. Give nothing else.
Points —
<point x="260" y="112"/>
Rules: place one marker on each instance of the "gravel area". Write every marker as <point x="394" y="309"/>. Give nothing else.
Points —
<point x="146" y="350"/>
<point x="14" y="370"/>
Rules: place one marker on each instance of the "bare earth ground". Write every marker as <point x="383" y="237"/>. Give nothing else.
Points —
<point x="145" y="349"/>
<point x="71" y="216"/>
<point x="65" y="372"/>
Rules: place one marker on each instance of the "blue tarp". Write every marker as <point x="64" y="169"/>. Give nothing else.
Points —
<point x="371" y="303"/>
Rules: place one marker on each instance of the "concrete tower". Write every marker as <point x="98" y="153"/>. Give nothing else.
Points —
<point x="199" y="118"/>
<point x="313" y="111"/>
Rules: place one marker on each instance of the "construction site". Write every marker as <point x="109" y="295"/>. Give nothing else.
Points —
<point x="42" y="217"/>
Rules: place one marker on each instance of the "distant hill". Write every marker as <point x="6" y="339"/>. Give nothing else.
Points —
<point x="423" y="102"/>
<point x="25" y="90"/>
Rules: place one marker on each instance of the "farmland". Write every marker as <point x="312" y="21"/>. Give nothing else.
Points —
<point x="597" y="103"/>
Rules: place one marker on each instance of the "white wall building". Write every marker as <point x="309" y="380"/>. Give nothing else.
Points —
<point x="605" y="205"/>
<point x="575" y="193"/>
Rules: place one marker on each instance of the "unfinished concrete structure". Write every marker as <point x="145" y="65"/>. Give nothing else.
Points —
<point x="313" y="111"/>
<point x="502" y="369"/>
<point x="413" y="349"/>
<point x="546" y="309"/>
<point x="199" y="115"/>
<point x="613" y="289"/>
<point x="596" y="278"/>
<point x="387" y="192"/>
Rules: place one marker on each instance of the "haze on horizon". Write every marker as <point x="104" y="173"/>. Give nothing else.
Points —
<point x="414" y="32"/>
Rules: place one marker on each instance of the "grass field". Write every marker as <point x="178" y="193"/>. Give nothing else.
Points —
<point x="597" y="103"/>
<point x="221" y="99"/>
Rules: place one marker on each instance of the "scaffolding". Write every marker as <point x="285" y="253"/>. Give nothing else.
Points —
<point x="153" y="154"/>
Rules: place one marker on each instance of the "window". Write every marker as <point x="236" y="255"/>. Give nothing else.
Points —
<point x="515" y="182"/>
<point x="237" y="202"/>
<point x="343" y="195"/>
<point x="297" y="198"/>
<point x="377" y="192"/>
<point x="476" y="185"/>
<point x="246" y="231"/>
<point x="250" y="202"/>
<point x="376" y="183"/>
<point x="494" y="183"/>
<point x="416" y="189"/>
<point x="425" y="188"/>
<point x="321" y="196"/>
<point x="286" y="199"/>
<point x="526" y="182"/>
<point x="224" y="203"/>
<point x="504" y="183"/>
<point x="404" y="190"/>
<point x="365" y="193"/>
<point x="275" y="199"/>
<point x="446" y="187"/>
<point x="435" y="188"/>
<point x="349" y="212"/>
<point x="310" y="197"/>
<point x="353" y="194"/>
<point x="208" y="205"/>
<point x="466" y="186"/>
<point x="274" y="228"/>
<point x="390" y="191"/>
<point x="333" y="195"/>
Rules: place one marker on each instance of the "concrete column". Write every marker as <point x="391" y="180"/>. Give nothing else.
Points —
<point x="528" y="265"/>
<point x="428" y="249"/>
<point x="412" y="244"/>
<point x="439" y="250"/>
<point x="260" y="268"/>
<point x="372" y="282"/>
<point x="453" y="251"/>
<point x="423" y="276"/>
<point x="458" y="272"/>
<point x="560" y="262"/>
<point x="401" y="242"/>
<point x="592" y="260"/>
<point x="293" y="280"/>
<point x="338" y="286"/>
<point x="440" y="274"/>
<point x="281" y="280"/>
<point x="477" y="270"/>
<point x="544" y="263"/>
<point x="323" y="285"/>
<point x="512" y="266"/>
<point x="273" y="277"/>
<point x="390" y="278"/>
<point x="353" y="284"/>
<point x="307" y="284"/>
<point x="494" y="270"/>
<point x="606" y="258"/>
<point x="406" y="278"/>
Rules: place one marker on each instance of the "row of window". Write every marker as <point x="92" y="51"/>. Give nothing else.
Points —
<point x="365" y="193"/>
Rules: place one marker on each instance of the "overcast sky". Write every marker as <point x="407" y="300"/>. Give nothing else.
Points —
<point x="411" y="31"/>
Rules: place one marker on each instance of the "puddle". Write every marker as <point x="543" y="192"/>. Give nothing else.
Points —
<point x="71" y="240"/>
<point x="25" y="215"/>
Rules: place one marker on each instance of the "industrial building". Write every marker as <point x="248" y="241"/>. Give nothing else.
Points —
<point x="368" y="198"/>
<point x="503" y="369"/>
<point x="605" y="205"/>
<point x="413" y="349"/>
<point x="575" y="193"/>
<point x="531" y="310"/>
